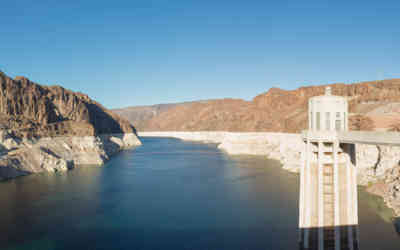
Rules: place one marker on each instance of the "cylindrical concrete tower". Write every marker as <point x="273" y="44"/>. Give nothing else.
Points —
<point x="328" y="209"/>
<point x="327" y="112"/>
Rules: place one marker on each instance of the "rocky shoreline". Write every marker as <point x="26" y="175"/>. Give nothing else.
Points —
<point x="50" y="128"/>
<point x="378" y="166"/>
<point x="24" y="156"/>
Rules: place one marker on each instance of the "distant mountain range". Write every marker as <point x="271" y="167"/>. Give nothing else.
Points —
<point x="276" y="110"/>
<point x="140" y="115"/>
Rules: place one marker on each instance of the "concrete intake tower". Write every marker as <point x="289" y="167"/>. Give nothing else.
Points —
<point x="328" y="210"/>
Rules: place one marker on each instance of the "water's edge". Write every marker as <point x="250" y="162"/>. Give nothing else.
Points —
<point x="377" y="167"/>
<point x="25" y="157"/>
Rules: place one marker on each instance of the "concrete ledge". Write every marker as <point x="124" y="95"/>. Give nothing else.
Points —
<point x="354" y="137"/>
<point x="370" y="137"/>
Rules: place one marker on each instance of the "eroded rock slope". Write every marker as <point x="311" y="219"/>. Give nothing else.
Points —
<point x="49" y="128"/>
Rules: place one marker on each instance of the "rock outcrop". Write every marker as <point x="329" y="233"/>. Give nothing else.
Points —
<point x="30" y="109"/>
<point x="49" y="128"/>
<point x="52" y="154"/>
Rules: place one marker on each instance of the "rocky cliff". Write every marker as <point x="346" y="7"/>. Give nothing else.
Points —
<point x="279" y="110"/>
<point x="31" y="109"/>
<point x="49" y="128"/>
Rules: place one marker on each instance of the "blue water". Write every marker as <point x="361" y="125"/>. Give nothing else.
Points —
<point x="168" y="194"/>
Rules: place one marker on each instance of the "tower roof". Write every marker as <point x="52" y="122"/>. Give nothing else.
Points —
<point x="327" y="95"/>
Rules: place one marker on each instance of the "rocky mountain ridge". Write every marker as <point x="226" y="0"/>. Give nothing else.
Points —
<point x="277" y="110"/>
<point x="140" y="115"/>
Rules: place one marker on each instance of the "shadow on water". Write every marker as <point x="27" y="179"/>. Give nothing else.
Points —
<point x="396" y="223"/>
<point x="379" y="229"/>
<point x="376" y="204"/>
<point x="346" y="237"/>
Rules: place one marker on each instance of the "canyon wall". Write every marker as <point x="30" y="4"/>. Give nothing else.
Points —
<point x="50" y="128"/>
<point x="31" y="109"/>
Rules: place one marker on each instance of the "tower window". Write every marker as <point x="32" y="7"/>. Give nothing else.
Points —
<point x="328" y="121"/>
<point x="337" y="125"/>
<point x="311" y="120"/>
<point x="338" y="122"/>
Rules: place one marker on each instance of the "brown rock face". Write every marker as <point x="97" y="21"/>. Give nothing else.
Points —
<point x="140" y="115"/>
<point x="224" y="115"/>
<point x="361" y="123"/>
<point x="31" y="109"/>
<point x="276" y="110"/>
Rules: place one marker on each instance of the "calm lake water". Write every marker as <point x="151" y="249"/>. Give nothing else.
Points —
<point x="169" y="194"/>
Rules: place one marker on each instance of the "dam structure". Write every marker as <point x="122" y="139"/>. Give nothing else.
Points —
<point x="328" y="210"/>
<point x="326" y="155"/>
<point x="328" y="204"/>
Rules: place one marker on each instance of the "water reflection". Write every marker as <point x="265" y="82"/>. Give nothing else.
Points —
<point x="34" y="205"/>
<point x="377" y="204"/>
<point x="377" y="222"/>
<point x="329" y="238"/>
<point x="396" y="223"/>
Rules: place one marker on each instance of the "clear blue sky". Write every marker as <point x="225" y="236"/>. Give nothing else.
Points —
<point x="125" y="53"/>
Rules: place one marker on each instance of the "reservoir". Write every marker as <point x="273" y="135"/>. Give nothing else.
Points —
<point x="169" y="194"/>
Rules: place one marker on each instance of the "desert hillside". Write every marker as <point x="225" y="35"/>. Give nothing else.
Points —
<point x="30" y="109"/>
<point x="141" y="115"/>
<point x="373" y="105"/>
